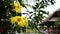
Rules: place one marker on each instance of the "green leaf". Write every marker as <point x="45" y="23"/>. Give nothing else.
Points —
<point x="19" y="30"/>
<point x="34" y="7"/>
<point x="22" y="3"/>
<point x="44" y="12"/>
<point x="7" y="2"/>
<point x="57" y="22"/>
<point x="24" y="29"/>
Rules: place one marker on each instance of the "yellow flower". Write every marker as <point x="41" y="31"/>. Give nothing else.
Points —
<point x="13" y="20"/>
<point x="18" y="19"/>
<point x="17" y="7"/>
<point x="26" y="21"/>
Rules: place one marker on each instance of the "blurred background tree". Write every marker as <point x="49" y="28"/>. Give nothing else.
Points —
<point x="36" y="16"/>
<point x="57" y="22"/>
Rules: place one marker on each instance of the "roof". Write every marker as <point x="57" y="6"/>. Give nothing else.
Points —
<point x="53" y="19"/>
<point x="54" y="16"/>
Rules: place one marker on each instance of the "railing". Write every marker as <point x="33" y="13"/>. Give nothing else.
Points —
<point x="55" y="32"/>
<point x="52" y="32"/>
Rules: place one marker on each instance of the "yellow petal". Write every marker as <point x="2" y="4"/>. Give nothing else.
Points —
<point x="13" y="20"/>
<point x="26" y="22"/>
<point x="21" y="23"/>
<point x="17" y="7"/>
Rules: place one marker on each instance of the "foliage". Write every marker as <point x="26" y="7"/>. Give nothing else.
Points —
<point x="57" y="22"/>
<point x="10" y="17"/>
<point x="9" y="10"/>
<point x="38" y="13"/>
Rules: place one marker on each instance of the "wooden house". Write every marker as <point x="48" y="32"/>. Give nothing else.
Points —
<point x="52" y="18"/>
<point x="50" y="21"/>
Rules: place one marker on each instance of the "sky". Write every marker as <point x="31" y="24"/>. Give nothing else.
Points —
<point x="54" y="7"/>
<point x="51" y="8"/>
